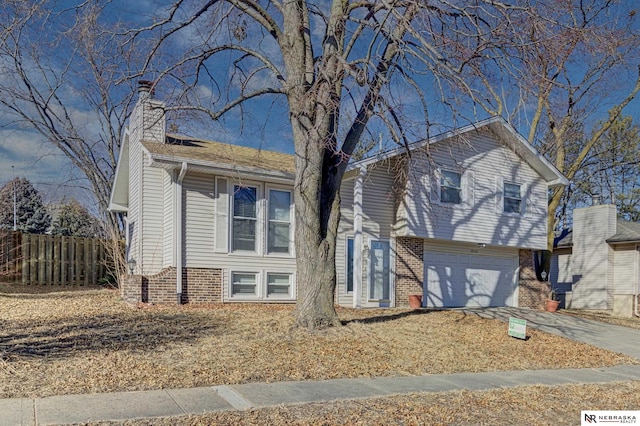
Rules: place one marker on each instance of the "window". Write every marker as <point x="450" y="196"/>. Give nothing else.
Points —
<point x="244" y="284"/>
<point x="512" y="198"/>
<point x="349" y="265"/>
<point x="279" y="221"/>
<point x="244" y="217"/>
<point x="450" y="187"/>
<point x="278" y="285"/>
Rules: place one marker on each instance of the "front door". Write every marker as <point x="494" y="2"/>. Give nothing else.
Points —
<point x="379" y="288"/>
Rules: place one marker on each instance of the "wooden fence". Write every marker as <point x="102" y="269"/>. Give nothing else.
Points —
<point x="51" y="259"/>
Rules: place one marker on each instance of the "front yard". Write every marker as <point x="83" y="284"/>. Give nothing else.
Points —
<point x="91" y="341"/>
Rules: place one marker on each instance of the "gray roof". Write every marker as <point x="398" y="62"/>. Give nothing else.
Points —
<point x="627" y="232"/>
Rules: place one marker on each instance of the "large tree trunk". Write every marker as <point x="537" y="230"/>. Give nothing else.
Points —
<point x="317" y="216"/>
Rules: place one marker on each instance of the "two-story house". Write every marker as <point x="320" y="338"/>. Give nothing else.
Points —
<point x="454" y="218"/>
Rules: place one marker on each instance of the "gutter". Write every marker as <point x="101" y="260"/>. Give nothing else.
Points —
<point x="178" y="232"/>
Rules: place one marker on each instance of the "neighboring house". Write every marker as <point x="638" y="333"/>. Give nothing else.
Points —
<point x="596" y="265"/>
<point x="454" y="219"/>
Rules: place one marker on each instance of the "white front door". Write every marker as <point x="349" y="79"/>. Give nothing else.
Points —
<point x="379" y="282"/>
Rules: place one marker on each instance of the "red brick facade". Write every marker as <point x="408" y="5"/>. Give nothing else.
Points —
<point x="199" y="285"/>
<point x="409" y="268"/>
<point x="532" y="293"/>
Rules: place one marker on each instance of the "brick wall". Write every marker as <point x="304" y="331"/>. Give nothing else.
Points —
<point x="199" y="285"/>
<point x="532" y="293"/>
<point x="409" y="268"/>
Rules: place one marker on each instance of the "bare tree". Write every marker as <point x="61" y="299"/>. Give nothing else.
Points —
<point x="345" y="68"/>
<point x="575" y="67"/>
<point x="59" y="67"/>
<point x="612" y="170"/>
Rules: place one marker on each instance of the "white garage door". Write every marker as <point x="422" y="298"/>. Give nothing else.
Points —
<point x="458" y="277"/>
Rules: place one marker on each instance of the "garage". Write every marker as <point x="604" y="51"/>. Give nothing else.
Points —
<point x="470" y="276"/>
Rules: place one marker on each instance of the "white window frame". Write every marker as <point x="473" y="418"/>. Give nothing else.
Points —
<point x="278" y="296"/>
<point x="258" y="281"/>
<point x="504" y="198"/>
<point x="258" y="219"/>
<point x="268" y="221"/>
<point x="440" y="177"/>
<point x="262" y="286"/>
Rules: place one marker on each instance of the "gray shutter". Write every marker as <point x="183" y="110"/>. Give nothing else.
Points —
<point x="528" y="207"/>
<point x="499" y="195"/>
<point x="468" y="189"/>
<point x="434" y="177"/>
<point x="222" y="215"/>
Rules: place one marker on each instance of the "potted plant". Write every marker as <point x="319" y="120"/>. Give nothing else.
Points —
<point x="552" y="302"/>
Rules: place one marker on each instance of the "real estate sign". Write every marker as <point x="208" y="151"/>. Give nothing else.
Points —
<point x="517" y="328"/>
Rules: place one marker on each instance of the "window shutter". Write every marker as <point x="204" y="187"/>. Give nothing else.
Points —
<point x="499" y="195"/>
<point x="435" y="185"/>
<point x="528" y="206"/>
<point x="469" y="189"/>
<point x="222" y="215"/>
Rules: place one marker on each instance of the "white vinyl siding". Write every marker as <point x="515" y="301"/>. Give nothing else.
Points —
<point x="168" y="234"/>
<point x="198" y="208"/>
<point x="488" y="163"/>
<point x="134" y="213"/>
<point x="152" y="204"/>
<point x="627" y="268"/>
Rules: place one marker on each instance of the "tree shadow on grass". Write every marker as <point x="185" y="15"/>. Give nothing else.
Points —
<point x="108" y="332"/>
<point x="389" y="317"/>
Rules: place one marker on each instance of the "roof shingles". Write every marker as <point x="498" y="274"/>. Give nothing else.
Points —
<point x="181" y="148"/>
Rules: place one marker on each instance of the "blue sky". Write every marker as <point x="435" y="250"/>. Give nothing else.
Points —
<point x="264" y="126"/>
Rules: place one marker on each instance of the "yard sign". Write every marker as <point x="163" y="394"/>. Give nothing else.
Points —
<point x="517" y="328"/>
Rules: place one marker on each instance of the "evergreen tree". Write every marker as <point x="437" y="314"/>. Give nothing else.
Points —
<point x="74" y="219"/>
<point x="32" y="216"/>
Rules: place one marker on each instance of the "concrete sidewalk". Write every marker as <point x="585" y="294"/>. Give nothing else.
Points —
<point x="123" y="406"/>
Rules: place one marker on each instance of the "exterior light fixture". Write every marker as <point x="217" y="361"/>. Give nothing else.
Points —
<point x="132" y="265"/>
<point x="482" y="245"/>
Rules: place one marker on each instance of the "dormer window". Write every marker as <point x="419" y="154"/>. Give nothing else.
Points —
<point x="450" y="187"/>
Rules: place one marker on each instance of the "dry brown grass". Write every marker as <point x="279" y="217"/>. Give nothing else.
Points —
<point x="531" y="405"/>
<point x="90" y="341"/>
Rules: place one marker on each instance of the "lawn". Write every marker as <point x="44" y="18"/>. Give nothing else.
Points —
<point x="91" y="341"/>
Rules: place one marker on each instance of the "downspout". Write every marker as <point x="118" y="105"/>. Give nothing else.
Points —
<point x="357" y="237"/>
<point x="178" y="233"/>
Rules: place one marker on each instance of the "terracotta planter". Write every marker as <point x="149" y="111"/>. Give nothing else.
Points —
<point x="552" y="305"/>
<point x="415" y="301"/>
